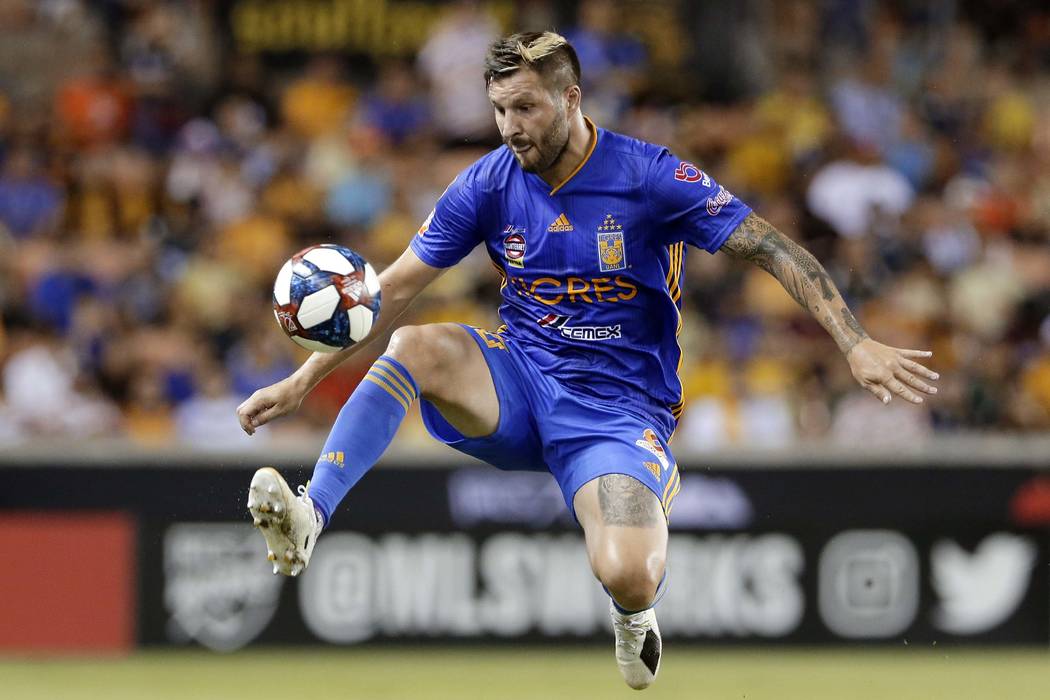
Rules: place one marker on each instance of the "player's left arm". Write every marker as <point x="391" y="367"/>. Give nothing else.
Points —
<point x="881" y="369"/>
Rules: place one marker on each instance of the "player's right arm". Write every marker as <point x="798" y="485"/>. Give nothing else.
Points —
<point x="400" y="284"/>
<point x="449" y="233"/>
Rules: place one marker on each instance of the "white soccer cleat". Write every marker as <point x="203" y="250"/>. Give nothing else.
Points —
<point x="288" y="522"/>
<point x="638" y="646"/>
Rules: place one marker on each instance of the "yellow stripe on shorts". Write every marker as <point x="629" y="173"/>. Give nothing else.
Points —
<point x="671" y="489"/>
<point x="670" y="499"/>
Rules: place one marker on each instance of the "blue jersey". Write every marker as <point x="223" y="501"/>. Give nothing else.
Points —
<point x="591" y="269"/>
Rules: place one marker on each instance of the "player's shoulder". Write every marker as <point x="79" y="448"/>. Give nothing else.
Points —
<point x="629" y="151"/>
<point x="490" y="172"/>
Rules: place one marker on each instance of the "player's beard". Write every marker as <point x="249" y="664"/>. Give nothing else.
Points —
<point x="550" y="149"/>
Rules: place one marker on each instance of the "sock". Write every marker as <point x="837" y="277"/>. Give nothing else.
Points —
<point x="660" y="590"/>
<point x="362" y="432"/>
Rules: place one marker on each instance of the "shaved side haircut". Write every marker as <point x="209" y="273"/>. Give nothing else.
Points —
<point x="548" y="53"/>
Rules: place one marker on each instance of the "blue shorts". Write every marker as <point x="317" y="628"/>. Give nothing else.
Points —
<point x="545" y="427"/>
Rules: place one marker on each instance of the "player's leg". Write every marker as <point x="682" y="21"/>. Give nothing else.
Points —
<point x="626" y="535"/>
<point x="440" y="362"/>
<point x="619" y="478"/>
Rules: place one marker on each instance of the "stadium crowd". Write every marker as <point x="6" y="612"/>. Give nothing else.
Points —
<point x="153" y="180"/>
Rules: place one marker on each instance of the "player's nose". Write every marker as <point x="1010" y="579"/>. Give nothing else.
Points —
<point x="511" y="129"/>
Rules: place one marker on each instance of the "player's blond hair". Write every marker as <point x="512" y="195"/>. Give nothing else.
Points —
<point x="548" y="53"/>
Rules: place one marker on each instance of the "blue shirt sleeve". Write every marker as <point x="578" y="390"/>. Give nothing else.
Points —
<point x="451" y="231"/>
<point x="686" y="204"/>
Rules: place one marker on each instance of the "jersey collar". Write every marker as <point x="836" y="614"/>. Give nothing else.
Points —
<point x="590" y="150"/>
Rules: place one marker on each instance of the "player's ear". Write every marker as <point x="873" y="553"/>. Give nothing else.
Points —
<point x="573" y="97"/>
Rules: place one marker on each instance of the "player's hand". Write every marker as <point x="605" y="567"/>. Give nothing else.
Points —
<point x="268" y="403"/>
<point x="885" y="371"/>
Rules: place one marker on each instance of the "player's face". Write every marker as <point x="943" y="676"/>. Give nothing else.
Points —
<point x="531" y="121"/>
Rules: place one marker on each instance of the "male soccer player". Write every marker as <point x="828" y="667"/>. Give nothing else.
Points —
<point x="588" y="230"/>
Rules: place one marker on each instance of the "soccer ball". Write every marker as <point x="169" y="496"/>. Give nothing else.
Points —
<point x="326" y="298"/>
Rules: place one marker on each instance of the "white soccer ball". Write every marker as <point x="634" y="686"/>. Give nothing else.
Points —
<point x="326" y="298"/>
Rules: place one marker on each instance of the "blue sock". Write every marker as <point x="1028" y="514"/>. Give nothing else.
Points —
<point x="365" y="426"/>
<point x="660" y="590"/>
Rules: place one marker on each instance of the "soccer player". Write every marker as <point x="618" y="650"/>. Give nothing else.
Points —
<point x="588" y="230"/>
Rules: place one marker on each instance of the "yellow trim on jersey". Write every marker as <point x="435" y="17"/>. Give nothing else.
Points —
<point x="378" y="380"/>
<point x="674" y="270"/>
<point x="402" y="386"/>
<point x="676" y="254"/>
<point x="679" y="407"/>
<point x="594" y="142"/>
<point x="502" y="275"/>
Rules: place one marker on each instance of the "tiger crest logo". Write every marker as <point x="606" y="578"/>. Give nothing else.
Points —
<point x="611" y="253"/>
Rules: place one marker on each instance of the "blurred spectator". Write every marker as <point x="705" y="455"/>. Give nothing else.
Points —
<point x="30" y="204"/>
<point x="452" y="62"/>
<point x="261" y="358"/>
<point x="853" y="193"/>
<point x="45" y="397"/>
<point x="866" y="106"/>
<point x="612" y="61"/>
<point x="148" y="416"/>
<point x="319" y="102"/>
<point x="794" y="112"/>
<point x="395" y="107"/>
<point x="94" y="107"/>
<point x="208" y="420"/>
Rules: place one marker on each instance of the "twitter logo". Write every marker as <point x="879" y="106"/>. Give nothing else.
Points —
<point x="982" y="589"/>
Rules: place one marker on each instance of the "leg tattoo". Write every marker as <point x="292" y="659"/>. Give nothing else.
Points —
<point x="626" y="501"/>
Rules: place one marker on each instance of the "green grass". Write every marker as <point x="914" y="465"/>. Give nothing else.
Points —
<point x="552" y="673"/>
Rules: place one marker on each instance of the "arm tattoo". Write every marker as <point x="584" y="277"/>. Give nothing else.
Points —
<point x="852" y="322"/>
<point x="804" y="278"/>
<point x="626" y="501"/>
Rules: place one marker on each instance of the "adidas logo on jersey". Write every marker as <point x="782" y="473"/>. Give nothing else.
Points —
<point x="560" y="224"/>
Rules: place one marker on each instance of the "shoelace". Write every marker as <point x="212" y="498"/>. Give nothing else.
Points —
<point x="304" y="496"/>
<point x="634" y="629"/>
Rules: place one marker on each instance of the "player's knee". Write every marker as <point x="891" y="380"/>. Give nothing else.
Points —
<point x="631" y="582"/>
<point x="426" y="351"/>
